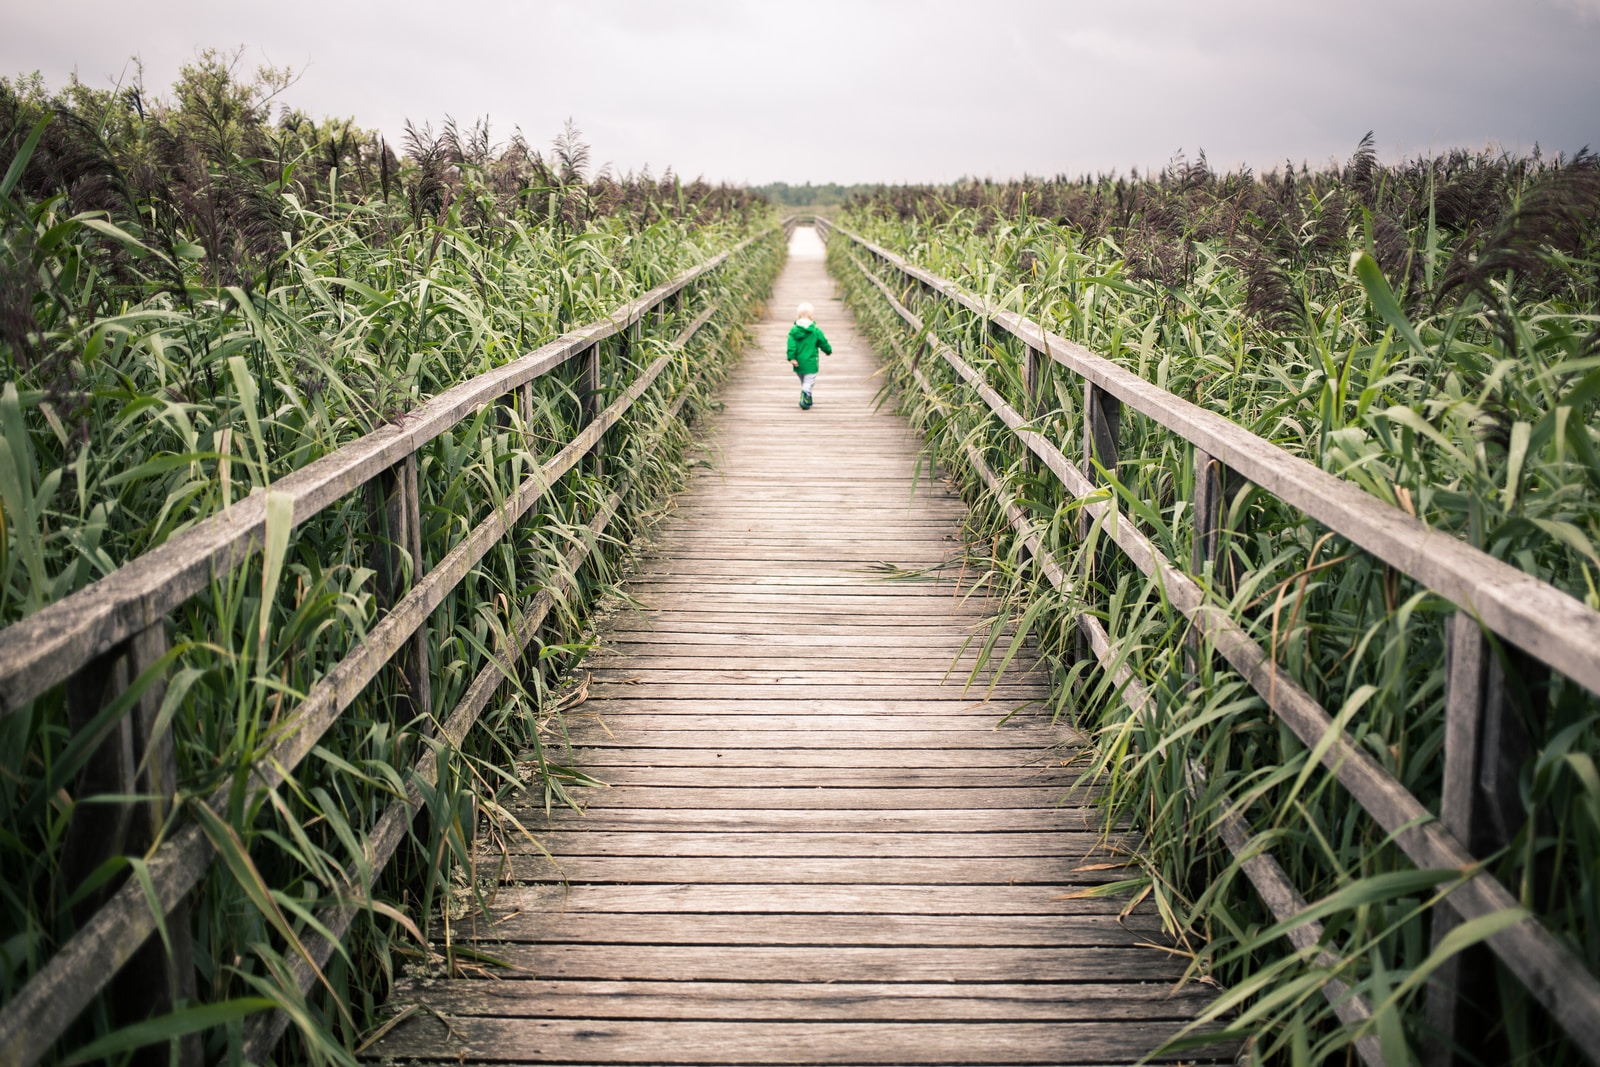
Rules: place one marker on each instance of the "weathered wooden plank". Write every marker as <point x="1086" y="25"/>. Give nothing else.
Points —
<point x="949" y="711"/>
<point x="703" y="672"/>
<point x="909" y="657"/>
<point x="827" y="870"/>
<point x="887" y="609"/>
<point x="1024" y="761"/>
<point x="495" y="1040"/>
<point x="728" y="776"/>
<point x="1006" y="698"/>
<point x="784" y="899"/>
<point x="774" y="928"/>
<point x="625" y="637"/>
<point x="709" y="621"/>
<point x="659" y="717"/>
<point x="588" y="735"/>
<point x="1052" y="843"/>
<point x="745" y="963"/>
<point x="843" y="585"/>
<point x="1067" y="817"/>
<point x="890" y="664"/>
<point x="826" y="799"/>
<point x="794" y="1001"/>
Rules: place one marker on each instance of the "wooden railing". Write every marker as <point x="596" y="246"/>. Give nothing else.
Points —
<point x="107" y="644"/>
<point x="1545" y="623"/>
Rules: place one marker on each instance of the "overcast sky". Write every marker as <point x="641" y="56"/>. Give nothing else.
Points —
<point x="894" y="90"/>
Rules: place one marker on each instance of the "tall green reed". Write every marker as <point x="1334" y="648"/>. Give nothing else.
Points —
<point x="1334" y="315"/>
<point x="205" y="301"/>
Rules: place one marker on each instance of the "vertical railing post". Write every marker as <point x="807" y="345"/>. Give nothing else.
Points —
<point x="1032" y="375"/>
<point x="1102" y="430"/>
<point x="1208" y="473"/>
<point x="590" y="402"/>
<point x="1490" y="694"/>
<point x="395" y="504"/>
<point x="132" y="759"/>
<point x="525" y="408"/>
<point x="1102" y="436"/>
<point x="1207" y="520"/>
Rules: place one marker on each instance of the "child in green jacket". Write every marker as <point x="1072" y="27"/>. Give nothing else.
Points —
<point x="805" y="337"/>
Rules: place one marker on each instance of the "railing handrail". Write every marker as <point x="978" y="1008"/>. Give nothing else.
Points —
<point x="1544" y="621"/>
<point x="45" y="648"/>
<point x="1550" y="972"/>
<point x="134" y="597"/>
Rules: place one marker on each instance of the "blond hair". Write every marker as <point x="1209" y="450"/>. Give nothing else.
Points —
<point x="805" y="311"/>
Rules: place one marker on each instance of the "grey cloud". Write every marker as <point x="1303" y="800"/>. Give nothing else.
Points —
<point x="895" y="90"/>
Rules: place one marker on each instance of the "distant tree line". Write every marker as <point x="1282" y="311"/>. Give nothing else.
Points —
<point x="828" y="194"/>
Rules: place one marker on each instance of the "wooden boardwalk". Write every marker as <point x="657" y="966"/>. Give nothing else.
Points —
<point x="815" y="847"/>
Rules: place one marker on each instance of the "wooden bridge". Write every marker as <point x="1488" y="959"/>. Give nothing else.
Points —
<point x="818" y="845"/>
<point x="816" y="842"/>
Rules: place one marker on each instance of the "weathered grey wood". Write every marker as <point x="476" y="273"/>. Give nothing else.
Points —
<point x="629" y="633"/>
<point x="781" y="730"/>
<point x="767" y="584"/>
<point x="726" y="775"/>
<point x="583" y="842"/>
<point x="825" y="799"/>
<point x="131" y="759"/>
<point x="749" y="874"/>
<point x="787" y="724"/>
<point x="1068" y="817"/>
<point x="792" y="1001"/>
<point x="1102" y="431"/>
<point x="1557" y="979"/>
<point x="262" y="1032"/>
<point x="1259" y="867"/>
<point x="768" y="963"/>
<point x="1205" y="538"/>
<point x="809" y="870"/>
<point x="1486" y="745"/>
<point x="889" y="603"/>
<point x="718" y="620"/>
<point x="32" y="1020"/>
<point x="40" y="1012"/>
<point x="596" y="734"/>
<point x="394" y="505"/>
<point x="1025" y="760"/>
<point x="1466" y="684"/>
<point x="1551" y="625"/>
<point x="490" y="1040"/>
<point x="1285" y="902"/>
<point x="930" y="711"/>
<point x="98" y="831"/>
<point x="1004" y="699"/>
<point x="1560" y="981"/>
<point x="674" y="660"/>
<point x="42" y="650"/>
<point x="1208" y="478"/>
<point x="785" y="899"/>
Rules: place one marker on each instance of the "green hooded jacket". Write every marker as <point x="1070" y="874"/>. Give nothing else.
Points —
<point x="803" y="344"/>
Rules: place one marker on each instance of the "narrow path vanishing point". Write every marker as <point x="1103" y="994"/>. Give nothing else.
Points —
<point x="815" y="847"/>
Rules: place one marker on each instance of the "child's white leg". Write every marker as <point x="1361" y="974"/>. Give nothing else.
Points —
<point x="808" y="382"/>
